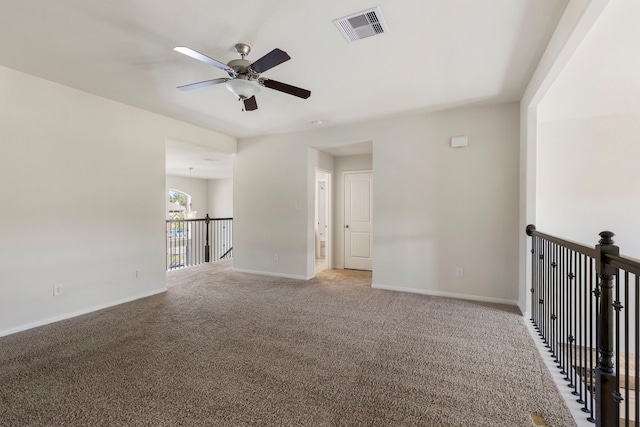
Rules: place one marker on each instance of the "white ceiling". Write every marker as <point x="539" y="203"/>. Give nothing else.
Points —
<point x="438" y="54"/>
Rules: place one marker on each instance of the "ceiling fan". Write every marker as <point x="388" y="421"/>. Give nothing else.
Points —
<point x="244" y="76"/>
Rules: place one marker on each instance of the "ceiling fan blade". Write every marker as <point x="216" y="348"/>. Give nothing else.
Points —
<point x="203" y="58"/>
<point x="283" y="87"/>
<point x="270" y="60"/>
<point x="250" y="104"/>
<point x="203" y="84"/>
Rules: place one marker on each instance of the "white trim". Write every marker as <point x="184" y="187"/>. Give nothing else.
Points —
<point x="575" y="408"/>
<point x="77" y="313"/>
<point x="523" y="309"/>
<point x="329" y="245"/>
<point x="445" y="294"/>
<point x="268" y="273"/>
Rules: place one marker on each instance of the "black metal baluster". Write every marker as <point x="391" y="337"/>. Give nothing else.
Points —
<point x="562" y="318"/>
<point x="534" y="275"/>
<point x="637" y="352"/>
<point x="567" y="315"/>
<point x="553" y="255"/>
<point x="556" y="303"/>
<point x="572" y="322"/>
<point x="541" y="295"/>
<point x="548" y="300"/>
<point x="593" y="337"/>
<point x="617" y="306"/>
<point x="580" y="366"/>
<point x="207" y="255"/>
<point x="576" y="325"/>
<point x="597" y="293"/>
<point x="626" y="345"/>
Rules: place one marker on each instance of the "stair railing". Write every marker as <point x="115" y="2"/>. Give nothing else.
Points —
<point x="586" y="307"/>
<point x="191" y="242"/>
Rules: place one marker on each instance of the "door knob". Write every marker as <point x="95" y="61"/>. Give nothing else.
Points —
<point x="346" y="226"/>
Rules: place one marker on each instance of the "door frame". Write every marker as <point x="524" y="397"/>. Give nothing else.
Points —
<point x="329" y="210"/>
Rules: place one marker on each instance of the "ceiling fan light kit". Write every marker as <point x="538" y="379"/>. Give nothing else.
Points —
<point x="244" y="76"/>
<point x="242" y="88"/>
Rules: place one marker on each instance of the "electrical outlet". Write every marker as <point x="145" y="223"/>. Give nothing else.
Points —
<point x="136" y="274"/>
<point x="276" y="257"/>
<point x="57" y="290"/>
<point x="459" y="272"/>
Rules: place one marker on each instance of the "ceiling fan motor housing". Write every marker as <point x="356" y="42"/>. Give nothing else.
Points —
<point x="241" y="67"/>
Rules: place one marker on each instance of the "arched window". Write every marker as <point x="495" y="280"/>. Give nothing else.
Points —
<point x="178" y="204"/>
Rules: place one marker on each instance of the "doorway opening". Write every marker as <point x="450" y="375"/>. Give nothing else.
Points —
<point x="322" y="229"/>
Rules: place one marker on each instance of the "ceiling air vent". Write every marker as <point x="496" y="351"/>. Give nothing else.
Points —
<point x="361" y="25"/>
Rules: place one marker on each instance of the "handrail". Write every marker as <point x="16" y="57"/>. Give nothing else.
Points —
<point x="574" y="246"/>
<point x="631" y="265"/>
<point x="199" y="219"/>
<point x="225" y="254"/>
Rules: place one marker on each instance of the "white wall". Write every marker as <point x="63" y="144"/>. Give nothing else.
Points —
<point x="435" y="208"/>
<point x="438" y="208"/>
<point x="588" y="179"/>
<point x="220" y="198"/>
<point x="84" y="200"/>
<point x="588" y="133"/>
<point x="198" y="189"/>
<point x="270" y="204"/>
<point x="342" y="165"/>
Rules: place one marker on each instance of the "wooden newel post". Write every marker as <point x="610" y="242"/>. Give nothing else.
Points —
<point x="607" y="398"/>
<point x="206" y="244"/>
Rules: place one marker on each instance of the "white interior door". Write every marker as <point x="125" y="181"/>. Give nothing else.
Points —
<point x="358" y="220"/>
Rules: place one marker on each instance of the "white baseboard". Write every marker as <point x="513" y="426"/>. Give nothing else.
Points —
<point x="575" y="408"/>
<point x="445" y="294"/>
<point x="77" y="313"/>
<point x="268" y="273"/>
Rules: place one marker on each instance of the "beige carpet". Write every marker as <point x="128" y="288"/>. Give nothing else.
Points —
<point x="222" y="348"/>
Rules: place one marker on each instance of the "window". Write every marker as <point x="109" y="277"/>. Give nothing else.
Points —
<point x="178" y="204"/>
